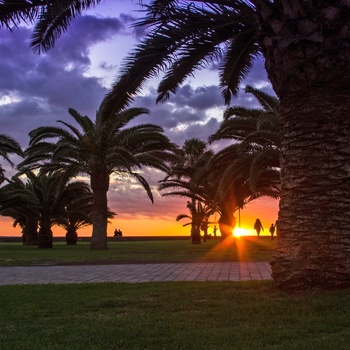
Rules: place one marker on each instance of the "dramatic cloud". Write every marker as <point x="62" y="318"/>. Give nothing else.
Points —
<point x="39" y="89"/>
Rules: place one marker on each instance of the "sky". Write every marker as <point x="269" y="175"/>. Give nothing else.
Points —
<point x="37" y="90"/>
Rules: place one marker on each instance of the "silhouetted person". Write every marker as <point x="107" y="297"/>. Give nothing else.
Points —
<point x="258" y="227"/>
<point x="118" y="232"/>
<point x="214" y="231"/>
<point x="272" y="231"/>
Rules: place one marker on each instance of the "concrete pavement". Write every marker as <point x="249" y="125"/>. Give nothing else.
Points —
<point x="136" y="273"/>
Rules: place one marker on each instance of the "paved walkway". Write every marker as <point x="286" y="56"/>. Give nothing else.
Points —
<point x="136" y="273"/>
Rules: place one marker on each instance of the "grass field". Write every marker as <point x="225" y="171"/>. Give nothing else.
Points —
<point x="174" y="315"/>
<point x="247" y="248"/>
<point x="165" y="315"/>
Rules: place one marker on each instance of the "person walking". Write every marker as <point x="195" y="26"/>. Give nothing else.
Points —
<point x="258" y="227"/>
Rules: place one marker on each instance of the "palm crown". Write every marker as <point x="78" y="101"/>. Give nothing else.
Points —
<point x="99" y="149"/>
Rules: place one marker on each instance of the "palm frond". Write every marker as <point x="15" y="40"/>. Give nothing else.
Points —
<point x="55" y="18"/>
<point x="238" y="62"/>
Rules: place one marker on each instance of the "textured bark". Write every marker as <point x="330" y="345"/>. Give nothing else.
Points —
<point x="99" y="186"/>
<point x="30" y="233"/>
<point x="195" y="235"/>
<point x="195" y="226"/>
<point x="313" y="250"/>
<point x="71" y="236"/>
<point x="307" y="55"/>
<point x="45" y="237"/>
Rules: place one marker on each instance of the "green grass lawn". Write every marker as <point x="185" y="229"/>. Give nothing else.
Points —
<point x="244" y="249"/>
<point x="174" y="315"/>
<point x="165" y="315"/>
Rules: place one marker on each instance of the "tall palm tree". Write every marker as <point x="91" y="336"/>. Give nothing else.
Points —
<point x="191" y="158"/>
<point x="306" y="52"/>
<point x="249" y="168"/>
<point x="198" y="213"/>
<point x="214" y="187"/>
<point x="99" y="149"/>
<point x="8" y="146"/>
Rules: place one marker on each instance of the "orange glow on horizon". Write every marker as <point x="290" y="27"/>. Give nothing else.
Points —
<point x="135" y="225"/>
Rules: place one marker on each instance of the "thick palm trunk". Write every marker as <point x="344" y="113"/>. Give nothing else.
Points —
<point x="195" y="226"/>
<point x="99" y="185"/>
<point x="195" y="235"/>
<point x="71" y="236"/>
<point x="30" y="232"/>
<point x="45" y="237"/>
<point x="227" y="221"/>
<point x="307" y="57"/>
<point x="313" y="248"/>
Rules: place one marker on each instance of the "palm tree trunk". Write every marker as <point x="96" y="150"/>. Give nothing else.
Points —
<point x="30" y="232"/>
<point x="313" y="249"/>
<point x="227" y="221"/>
<point x="99" y="186"/>
<point x="45" y="237"/>
<point x="195" y="235"/>
<point x="195" y="229"/>
<point x="71" y="236"/>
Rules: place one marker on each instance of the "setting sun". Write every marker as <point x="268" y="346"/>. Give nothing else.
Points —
<point x="240" y="231"/>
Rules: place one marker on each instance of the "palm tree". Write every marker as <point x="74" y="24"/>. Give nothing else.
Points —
<point x="210" y="179"/>
<point x="99" y="149"/>
<point x="306" y="52"/>
<point x="79" y="205"/>
<point x="79" y="211"/>
<point x="8" y="146"/>
<point x="41" y="202"/>
<point x="191" y="158"/>
<point x="198" y="214"/>
<point x="22" y="209"/>
<point x="249" y="168"/>
<point x="229" y="173"/>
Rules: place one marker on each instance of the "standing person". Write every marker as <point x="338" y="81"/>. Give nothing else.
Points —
<point x="272" y="231"/>
<point x="258" y="227"/>
<point x="214" y="231"/>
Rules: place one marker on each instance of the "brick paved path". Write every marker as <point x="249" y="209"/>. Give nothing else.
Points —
<point x="136" y="273"/>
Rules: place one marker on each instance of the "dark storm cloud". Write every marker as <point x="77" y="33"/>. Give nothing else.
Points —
<point x="188" y="106"/>
<point x="43" y="87"/>
<point x="200" y="98"/>
<point x="186" y="114"/>
<point x="73" y="46"/>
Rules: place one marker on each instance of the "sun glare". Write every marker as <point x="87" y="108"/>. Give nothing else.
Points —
<point x="239" y="232"/>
